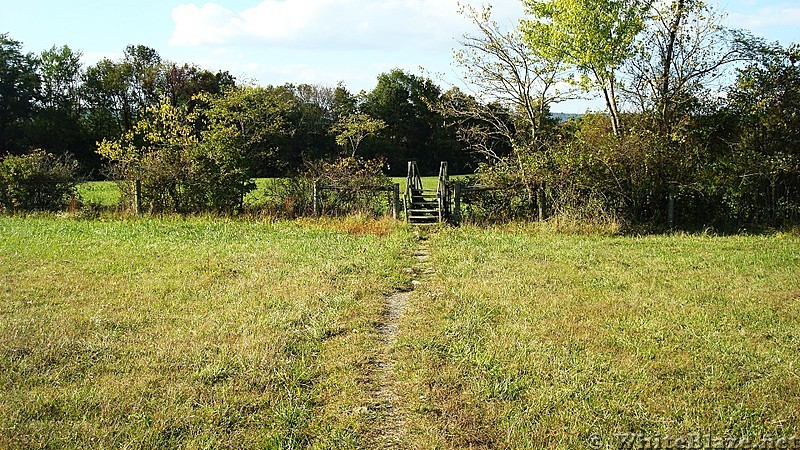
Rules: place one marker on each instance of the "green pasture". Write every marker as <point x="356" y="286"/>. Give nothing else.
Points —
<point x="170" y="333"/>
<point x="221" y="333"/>
<point x="524" y="339"/>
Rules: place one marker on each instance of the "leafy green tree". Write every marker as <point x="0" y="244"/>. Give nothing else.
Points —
<point x="182" y="83"/>
<point x="414" y="130"/>
<point x="595" y="36"/>
<point x="60" y="72"/>
<point x="350" y="131"/>
<point x="156" y="154"/>
<point x="120" y="92"/>
<point x="679" y="55"/>
<point x="59" y="126"/>
<point x="312" y="116"/>
<point x="185" y="169"/>
<point x="343" y="102"/>
<point x="762" y="175"/>
<point x="19" y="90"/>
<point x="255" y="120"/>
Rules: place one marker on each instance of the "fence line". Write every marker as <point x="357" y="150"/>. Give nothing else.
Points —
<point x="394" y="188"/>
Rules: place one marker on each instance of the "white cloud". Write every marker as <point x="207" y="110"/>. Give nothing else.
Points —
<point x="327" y="24"/>
<point x="763" y="19"/>
<point x="209" y="24"/>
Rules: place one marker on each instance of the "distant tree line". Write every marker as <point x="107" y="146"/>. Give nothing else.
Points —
<point x="701" y="125"/>
<point x="51" y="102"/>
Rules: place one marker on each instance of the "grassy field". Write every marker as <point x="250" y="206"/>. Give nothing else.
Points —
<point x="104" y="193"/>
<point x="191" y="333"/>
<point x="539" y="340"/>
<point x="214" y="333"/>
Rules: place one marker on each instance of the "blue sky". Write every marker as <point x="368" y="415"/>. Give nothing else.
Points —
<point x="302" y="41"/>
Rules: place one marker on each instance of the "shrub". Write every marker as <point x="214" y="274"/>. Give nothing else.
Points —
<point x="286" y="197"/>
<point x="349" y="188"/>
<point x="37" y="181"/>
<point x="179" y="169"/>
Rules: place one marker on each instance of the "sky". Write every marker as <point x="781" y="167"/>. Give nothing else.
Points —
<point x="305" y="41"/>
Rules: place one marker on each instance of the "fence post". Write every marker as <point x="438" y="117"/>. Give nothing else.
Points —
<point x="137" y="197"/>
<point x="540" y="202"/>
<point x="457" y="202"/>
<point x="315" y="199"/>
<point x="396" y="200"/>
<point x="671" y="210"/>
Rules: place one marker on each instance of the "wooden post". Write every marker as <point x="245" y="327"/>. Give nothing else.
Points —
<point x="671" y="210"/>
<point x="457" y="202"/>
<point x="540" y="203"/>
<point x="137" y="197"/>
<point x="443" y="190"/>
<point x="396" y="200"/>
<point x="315" y="199"/>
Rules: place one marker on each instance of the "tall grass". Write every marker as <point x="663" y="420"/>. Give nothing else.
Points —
<point x="529" y="339"/>
<point x="197" y="333"/>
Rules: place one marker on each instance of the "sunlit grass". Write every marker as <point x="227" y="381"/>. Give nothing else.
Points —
<point x="526" y="339"/>
<point x="104" y="193"/>
<point x="221" y="333"/>
<point x="198" y="333"/>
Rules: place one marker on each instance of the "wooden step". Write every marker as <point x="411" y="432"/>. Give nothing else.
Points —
<point x="425" y="224"/>
<point x="423" y="218"/>
<point x="433" y="201"/>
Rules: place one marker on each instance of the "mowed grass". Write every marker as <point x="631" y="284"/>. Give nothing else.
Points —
<point x="526" y="339"/>
<point x="218" y="333"/>
<point x="192" y="333"/>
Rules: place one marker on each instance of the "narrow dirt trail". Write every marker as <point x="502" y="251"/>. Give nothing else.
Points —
<point x="389" y="429"/>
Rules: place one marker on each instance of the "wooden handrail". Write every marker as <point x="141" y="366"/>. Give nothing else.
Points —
<point x="443" y="191"/>
<point x="413" y="183"/>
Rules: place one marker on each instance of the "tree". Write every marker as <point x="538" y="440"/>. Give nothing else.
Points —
<point x="182" y="83"/>
<point x="763" y="172"/>
<point x="351" y="131"/>
<point x="343" y="102"/>
<point x="155" y="155"/>
<point x="201" y="160"/>
<point x="513" y="88"/>
<point x="595" y="36"/>
<point x="414" y="130"/>
<point x="254" y="120"/>
<point x="19" y="89"/>
<point x="58" y="125"/>
<point x="681" y="51"/>
<point x="119" y="93"/>
<point x="60" y="71"/>
<point x="504" y="71"/>
<point x="312" y="117"/>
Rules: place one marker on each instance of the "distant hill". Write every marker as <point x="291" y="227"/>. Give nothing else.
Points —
<point x="563" y="117"/>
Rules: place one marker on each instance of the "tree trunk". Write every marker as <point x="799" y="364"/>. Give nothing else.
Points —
<point x="665" y="103"/>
